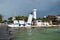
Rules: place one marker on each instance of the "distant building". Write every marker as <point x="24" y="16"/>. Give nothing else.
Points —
<point x="58" y="19"/>
<point x="51" y="17"/>
<point x="53" y="20"/>
<point x="41" y="23"/>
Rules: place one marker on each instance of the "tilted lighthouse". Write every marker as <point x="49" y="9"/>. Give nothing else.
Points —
<point x="34" y="13"/>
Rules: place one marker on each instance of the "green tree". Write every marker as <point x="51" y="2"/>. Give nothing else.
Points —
<point x="4" y="20"/>
<point x="18" y="18"/>
<point x="10" y="19"/>
<point x="21" y="18"/>
<point x="38" y="18"/>
<point x="45" y="19"/>
<point x="25" y="18"/>
<point x="1" y="18"/>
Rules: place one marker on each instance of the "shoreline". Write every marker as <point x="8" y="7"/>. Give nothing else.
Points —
<point x="52" y="26"/>
<point x="47" y="26"/>
<point x="41" y="26"/>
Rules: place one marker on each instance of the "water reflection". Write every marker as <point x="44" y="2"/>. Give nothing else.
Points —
<point x="29" y="33"/>
<point x="36" y="33"/>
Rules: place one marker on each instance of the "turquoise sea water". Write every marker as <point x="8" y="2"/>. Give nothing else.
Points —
<point x="37" y="34"/>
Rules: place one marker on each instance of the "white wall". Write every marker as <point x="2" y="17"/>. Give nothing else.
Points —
<point x="41" y="23"/>
<point x="21" y="22"/>
<point x="15" y="21"/>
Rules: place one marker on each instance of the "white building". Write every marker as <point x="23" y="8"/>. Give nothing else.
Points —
<point x="34" y="13"/>
<point x="21" y="23"/>
<point x="58" y="17"/>
<point x="29" y="21"/>
<point x="40" y="23"/>
<point x="15" y="22"/>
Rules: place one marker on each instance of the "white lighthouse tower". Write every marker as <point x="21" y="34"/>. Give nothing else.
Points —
<point x="34" y="13"/>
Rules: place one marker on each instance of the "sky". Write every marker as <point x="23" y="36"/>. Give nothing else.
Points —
<point x="13" y="8"/>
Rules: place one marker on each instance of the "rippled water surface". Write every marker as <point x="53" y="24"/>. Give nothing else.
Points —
<point x="37" y="34"/>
